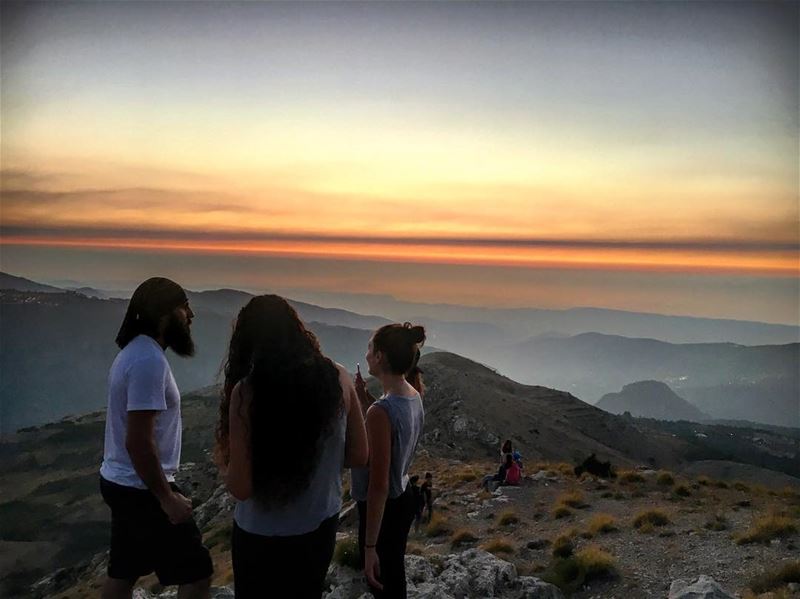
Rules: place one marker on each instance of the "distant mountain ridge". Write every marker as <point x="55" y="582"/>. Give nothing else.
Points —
<point x="725" y="380"/>
<point x="523" y="323"/>
<point x="650" y="399"/>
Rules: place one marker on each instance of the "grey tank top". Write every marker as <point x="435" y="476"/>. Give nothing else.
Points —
<point x="320" y="500"/>
<point x="406" y="417"/>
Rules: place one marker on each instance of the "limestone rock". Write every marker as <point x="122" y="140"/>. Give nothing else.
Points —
<point x="703" y="587"/>
<point x="419" y="570"/>
<point x="534" y="588"/>
<point x="215" y="508"/>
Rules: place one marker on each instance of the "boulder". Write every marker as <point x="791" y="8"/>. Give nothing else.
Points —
<point x="487" y="574"/>
<point x="535" y="588"/>
<point x="703" y="587"/>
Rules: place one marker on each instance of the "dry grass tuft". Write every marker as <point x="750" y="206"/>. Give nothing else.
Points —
<point x="776" y="578"/>
<point x="463" y="536"/>
<point x="498" y="546"/>
<point x="466" y="475"/>
<point x="602" y="523"/>
<point x="563" y="546"/>
<point x="561" y="511"/>
<point x="573" y="572"/>
<point x="572" y="498"/>
<point x="508" y="517"/>
<point x="716" y="522"/>
<point x="438" y="526"/>
<point x="630" y="476"/>
<point x="765" y="528"/>
<point x="653" y="517"/>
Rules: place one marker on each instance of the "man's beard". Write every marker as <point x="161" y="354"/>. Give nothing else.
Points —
<point x="178" y="337"/>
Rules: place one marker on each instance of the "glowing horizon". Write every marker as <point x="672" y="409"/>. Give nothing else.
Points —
<point x="642" y="139"/>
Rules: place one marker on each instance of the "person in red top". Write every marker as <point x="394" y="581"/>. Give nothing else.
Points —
<point x="513" y="472"/>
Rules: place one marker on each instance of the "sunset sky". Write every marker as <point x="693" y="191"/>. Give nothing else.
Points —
<point x="632" y="155"/>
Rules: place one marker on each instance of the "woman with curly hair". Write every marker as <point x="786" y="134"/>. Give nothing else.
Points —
<point x="289" y="423"/>
<point x="386" y="505"/>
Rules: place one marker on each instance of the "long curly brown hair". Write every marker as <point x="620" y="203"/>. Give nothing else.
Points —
<point x="296" y="397"/>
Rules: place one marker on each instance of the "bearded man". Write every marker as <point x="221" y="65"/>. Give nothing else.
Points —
<point x="152" y="528"/>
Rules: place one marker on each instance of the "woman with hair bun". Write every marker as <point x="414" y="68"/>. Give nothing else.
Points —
<point x="386" y="506"/>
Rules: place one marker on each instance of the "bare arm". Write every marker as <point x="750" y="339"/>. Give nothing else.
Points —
<point x="141" y="446"/>
<point x="356" y="450"/>
<point x="239" y="476"/>
<point x="379" y="432"/>
<point x="365" y="398"/>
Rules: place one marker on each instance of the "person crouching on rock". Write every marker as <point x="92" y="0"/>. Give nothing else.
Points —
<point x="281" y="392"/>
<point x="386" y="506"/>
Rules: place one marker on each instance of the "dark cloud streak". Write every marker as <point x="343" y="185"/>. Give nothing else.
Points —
<point x="178" y="235"/>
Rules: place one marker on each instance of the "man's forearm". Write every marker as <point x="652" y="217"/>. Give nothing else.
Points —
<point x="148" y="466"/>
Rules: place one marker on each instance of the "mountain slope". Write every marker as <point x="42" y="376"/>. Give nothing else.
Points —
<point x="57" y="348"/>
<point x="650" y="399"/>
<point x="470" y="408"/>
<point x="10" y="282"/>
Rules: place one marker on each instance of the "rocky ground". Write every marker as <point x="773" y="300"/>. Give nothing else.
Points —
<point x="502" y="544"/>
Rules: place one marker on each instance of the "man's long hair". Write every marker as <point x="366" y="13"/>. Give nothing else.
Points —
<point x="153" y="299"/>
<point x="296" y="397"/>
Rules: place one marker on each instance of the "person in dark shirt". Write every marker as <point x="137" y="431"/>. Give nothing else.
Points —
<point x="427" y="495"/>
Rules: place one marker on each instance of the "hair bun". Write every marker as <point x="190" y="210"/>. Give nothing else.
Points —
<point x="416" y="332"/>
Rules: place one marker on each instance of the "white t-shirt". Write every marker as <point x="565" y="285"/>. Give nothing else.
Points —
<point x="141" y="379"/>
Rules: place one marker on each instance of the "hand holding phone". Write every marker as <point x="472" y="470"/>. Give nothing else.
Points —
<point x="361" y="386"/>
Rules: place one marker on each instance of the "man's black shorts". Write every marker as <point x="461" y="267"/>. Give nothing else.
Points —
<point x="143" y="540"/>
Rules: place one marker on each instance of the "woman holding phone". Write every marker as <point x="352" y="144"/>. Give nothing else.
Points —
<point x="281" y="392"/>
<point x="385" y="499"/>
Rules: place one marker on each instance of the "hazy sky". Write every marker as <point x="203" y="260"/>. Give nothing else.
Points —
<point x="636" y="155"/>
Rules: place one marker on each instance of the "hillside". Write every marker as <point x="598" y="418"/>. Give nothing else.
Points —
<point x="470" y="409"/>
<point x="650" y="399"/>
<point x="51" y="514"/>
<point x="10" y="282"/>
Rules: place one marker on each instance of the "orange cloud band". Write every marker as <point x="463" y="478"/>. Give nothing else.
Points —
<point x="752" y="263"/>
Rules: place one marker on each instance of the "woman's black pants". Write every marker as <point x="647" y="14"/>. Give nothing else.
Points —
<point x="282" y="567"/>
<point x="391" y="547"/>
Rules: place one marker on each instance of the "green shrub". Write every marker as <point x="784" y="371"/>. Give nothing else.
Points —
<point x="346" y="553"/>
<point x="665" y="479"/>
<point x="682" y="491"/>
